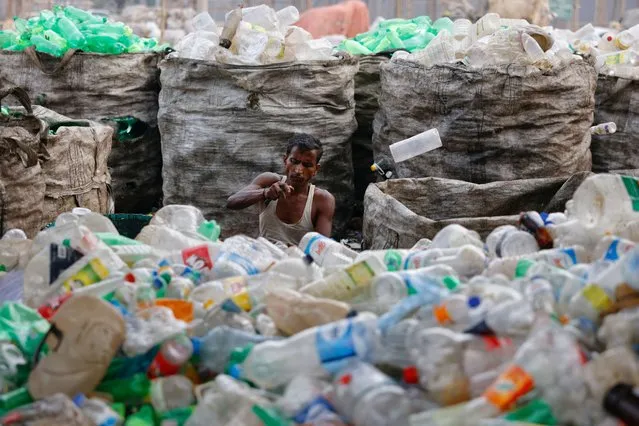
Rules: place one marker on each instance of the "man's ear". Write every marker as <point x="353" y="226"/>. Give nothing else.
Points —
<point x="285" y="158"/>
<point x="318" y="167"/>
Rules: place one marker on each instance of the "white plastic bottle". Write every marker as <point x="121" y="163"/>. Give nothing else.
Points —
<point x="14" y="249"/>
<point x="393" y="259"/>
<point x="203" y="22"/>
<point x="321" y="248"/>
<point x="440" y="50"/>
<point x="242" y="255"/>
<point x="347" y="283"/>
<point x="514" y="318"/>
<point x="315" y="352"/>
<point x="299" y="268"/>
<point x="367" y="397"/>
<point x="604" y="129"/>
<point x="612" y="248"/>
<point x="167" y="239"/>
<point x="561" y="257"/>
<point x="461" y="29"/>
<point x="486" y="25"/>
<point x="94" y="221"/>
<point x="532" y="48"/>
<point x="287" y="17"/>
<point x="456" y="310"/>
<point x="416" y="145"/>
<point x="628" y="38"/>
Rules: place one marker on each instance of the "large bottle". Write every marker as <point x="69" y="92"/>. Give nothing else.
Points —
<point x="323" y="250"/>
<point x="467" y="260"/>
<point x="316" y="352"/>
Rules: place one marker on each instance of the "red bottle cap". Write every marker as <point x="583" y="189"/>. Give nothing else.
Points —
<point x="411" y="375"/>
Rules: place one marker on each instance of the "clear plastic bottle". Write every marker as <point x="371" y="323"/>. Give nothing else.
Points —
<point x="168" y="393"/>
<point x="455" y="310"/>
<point x="100" y="413"/>
<point x="486" y="25"/>
<point x="513" y="318"/>
<point x="394" y="259"/>
<point x="203" y="22"/>
<point x="173" y="354"/>
<point x="320" y="248"/>
<point x="242" y="255"/>
<point x="348" y="283"/>
<point x="418" y="144"/>
<point x="461" y="29"/>
<point x="287" y="17"/>
<point x="316" y="352"/>
<point x="367" y="397"/>
<point x="467" y="260"/>
<point x="604" y="129"/>
<point x="628" y="38"/>
<point x="439" y="51"/>
<point x="532" y="48"/>
<point x="455" y="236"/>
<point x="214" y="349"/>
<point x="612" y="248"/>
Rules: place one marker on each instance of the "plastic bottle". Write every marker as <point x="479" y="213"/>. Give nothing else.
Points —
<point x="214" y="349"/>
<point x="394" y="259"/>
<point x="485" y="26"/>
<point x="316" y="352"/>
<point x="367" y="397"/>
<point x="612" y="248"/>
<point x="389" y="288"/>
<point x="44" y="45"/>
<point x="455" y="310"/>
<point x="287" y="17"/>
<point x="321" y="249"/>
<point x="241" y="255"/>
<point x="626" y="57"/>
<point x="303" y="269"/>
<point x="168" y="393"/>
<point x="99" y="412"/>
<point x="454" y="236"/>
<point x="439" y="51"/>
<point x="512" y="318"/>
<point x="294" y="312"/>
<point x="532" y="48"/>
<point x="511" y="23"/>
<point x="461" y="29"/>
<point x="604" y="129"/>
<point x="467" y="260"/>
<point x="348" y="283"/>
<point x="8" y="38"/>
<point x="626" y="39"/>
<point x="231" y="24"/>
<point x="173" y="354"/>
<point x="560" y="257"/>
<point x="67" y="29"/>
<point x="200" y="257"/>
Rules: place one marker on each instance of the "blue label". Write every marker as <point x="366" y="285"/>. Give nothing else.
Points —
<point x="612" y="252"/>
<point x="573" y="256"/>
<point x="335" y="341"/>
<point x="314" y="410"/>
<point x="307" y="249"/>
<point x="243" y="262"/>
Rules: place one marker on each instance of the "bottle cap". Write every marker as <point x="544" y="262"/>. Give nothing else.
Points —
<point x="374" y="167"/>
<point x="239" y="355"/>
<point x="410" y="375"/>
<point x="474" y="301"/>
<point x="234" y="371"/>
<point x="79" y="399"/>
<point x="197" y="345"/>
<point x="522" y="267"/>
<point x="15" y="399"/>
<point x="451" y="283"/>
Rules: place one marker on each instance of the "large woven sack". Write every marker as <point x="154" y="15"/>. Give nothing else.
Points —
<point x="617" y="100"/>
<point x="367" y="90"/>
<point x="76" y="173"/>
<point x="101" y="88"/>
<point x="399" y="212"/>
<point x="22" y="184"/>
<point x="222" y="125"/>
<point x="496" y="124"/>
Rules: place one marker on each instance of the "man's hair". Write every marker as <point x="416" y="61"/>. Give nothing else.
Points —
<point x="305" y="142"/>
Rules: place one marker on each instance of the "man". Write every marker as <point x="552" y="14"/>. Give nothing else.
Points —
<point x="290" y="205"/>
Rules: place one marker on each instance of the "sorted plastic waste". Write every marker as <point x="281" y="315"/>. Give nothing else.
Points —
<point x="536" y="324"/>
<point x="57" y="31"/>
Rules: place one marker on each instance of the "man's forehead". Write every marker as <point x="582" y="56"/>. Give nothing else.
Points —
<point x="308" y="154"/>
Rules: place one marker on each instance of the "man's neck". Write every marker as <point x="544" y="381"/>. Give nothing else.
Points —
<point x="303" y="189"/>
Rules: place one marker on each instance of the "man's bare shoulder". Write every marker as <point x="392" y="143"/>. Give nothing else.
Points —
<point x="324" y="198"/>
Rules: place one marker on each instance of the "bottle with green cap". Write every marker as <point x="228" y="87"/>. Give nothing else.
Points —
<point x="210" y="229"/>
<point x="536" y="411"/>
<point x="391" y="287"/>
<point x="105" y="43"/>
<point x="15" y="399"/>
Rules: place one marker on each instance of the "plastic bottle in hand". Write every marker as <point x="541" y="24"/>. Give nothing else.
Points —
<point x="367" y="397"/>
<point x="316" y="352"/>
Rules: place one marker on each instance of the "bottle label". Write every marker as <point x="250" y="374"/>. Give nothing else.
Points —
<point x="632" y="187"/>
<point x="91" y="273"/>
<point x="597" y="297"/>
<point x="509" y="386"/>
<point x="198" y="258"/>
<point x="316" y="247"/>
<point x="612" y="252"/>
<point x="393" y="260"/>
<point x="340" y="340"/>
<point x="314" y="411"/>
<point x="60" y="259"/>
<point x="243" y="262"/>
<point x="360" y="273"/>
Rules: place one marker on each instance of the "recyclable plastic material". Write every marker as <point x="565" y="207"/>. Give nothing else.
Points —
<point x="417" y="145"/>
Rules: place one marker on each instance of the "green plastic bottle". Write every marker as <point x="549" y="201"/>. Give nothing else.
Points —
<point x="144" y="417"/>
<point x="406" y="31"/>
<point x="210" y="229"/>
<point x="47" y="19"/>
<point x="443" y="24"/>
<point x="177" y="416"/>
<point x="395" y="41"/>
<point x="132" y="390"/>
<point x="47" y="46"/>
<point x="67" y="29"/>
<point x="8" y="38"/>
<point x="78" y="15"/>
<point x="391" y="22"/>
<point x="22" y="26"/>
<point x="104" y="44"/>
<point x="354" y="48"/>
<point x="419" y="41"/>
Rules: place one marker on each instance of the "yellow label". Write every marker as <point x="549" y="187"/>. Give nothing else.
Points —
<point x="597" y="297"/>
<point x="243" y="300"/>
<point x="91" y="273"/>
<point x="360" y="273"/>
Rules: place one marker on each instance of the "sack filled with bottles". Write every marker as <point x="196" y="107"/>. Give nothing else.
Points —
<point x="57" y="31"/>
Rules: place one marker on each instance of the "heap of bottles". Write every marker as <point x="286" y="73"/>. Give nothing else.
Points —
<point x="57" y="31"/>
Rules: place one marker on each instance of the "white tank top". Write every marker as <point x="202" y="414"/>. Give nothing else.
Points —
<point x="272" y="228"/>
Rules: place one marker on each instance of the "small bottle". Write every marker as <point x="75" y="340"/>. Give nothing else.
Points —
<point x="416" y="145"/>
<point x="604" y="129"/>
<point x="173" y="354"/>
<point x="233" y="20"/>
<point x="382" y="170"/>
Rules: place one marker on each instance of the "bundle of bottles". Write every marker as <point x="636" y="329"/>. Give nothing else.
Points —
<point x="57" y="31"/>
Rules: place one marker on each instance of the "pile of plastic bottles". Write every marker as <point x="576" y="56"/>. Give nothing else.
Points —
<point x="253" y="36"/>
<point x="616" y="53"/>
<point x="537" y="324"/>
<point x="488" y="42"/>
<point x="63" y="28"/>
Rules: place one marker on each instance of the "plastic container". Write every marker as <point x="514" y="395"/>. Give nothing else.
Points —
<point x="416" y="145"/>
<point x="604" y="129"/>
<point x="322" y="249"/>
<point x="173" y="354"/>
<point x="467" y="260"/>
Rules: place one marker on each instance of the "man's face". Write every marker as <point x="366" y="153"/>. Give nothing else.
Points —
<point x="301" y="166"/>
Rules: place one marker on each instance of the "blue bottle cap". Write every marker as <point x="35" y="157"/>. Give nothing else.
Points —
<point x="474" y="301"/>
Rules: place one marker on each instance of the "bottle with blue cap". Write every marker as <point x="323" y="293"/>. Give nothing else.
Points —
<point x="98" y="411"/>
<point x="456" y="311"/>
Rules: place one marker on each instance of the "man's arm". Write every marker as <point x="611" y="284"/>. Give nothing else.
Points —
<point x="253" y="193"/>
<point x="325" y="212"/>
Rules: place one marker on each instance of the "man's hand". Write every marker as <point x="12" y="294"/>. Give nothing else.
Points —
<point x="277" y="190"/>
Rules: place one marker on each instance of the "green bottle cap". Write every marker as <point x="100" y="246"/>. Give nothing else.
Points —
<point x="522" y="267"/>
<point x="451" y="283"/>
<point x="270" y="417"/>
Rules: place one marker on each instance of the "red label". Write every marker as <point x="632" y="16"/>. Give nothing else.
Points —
<point x="198" y="257"/>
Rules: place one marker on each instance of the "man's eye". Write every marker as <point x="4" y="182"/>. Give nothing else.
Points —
<point x="308" y="165"/>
